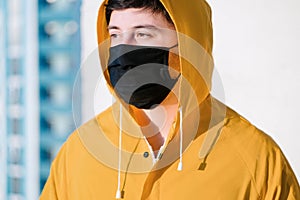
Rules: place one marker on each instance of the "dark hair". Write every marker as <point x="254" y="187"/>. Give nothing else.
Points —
<point x="153" y="5"/>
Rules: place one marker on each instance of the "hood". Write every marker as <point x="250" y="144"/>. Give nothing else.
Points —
<point x="193" y="26"/>
<point x="195" y="41"/>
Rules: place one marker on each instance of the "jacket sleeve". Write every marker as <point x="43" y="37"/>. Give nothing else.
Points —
<point x="56" y="185"/>
<point x="280" y="182"/>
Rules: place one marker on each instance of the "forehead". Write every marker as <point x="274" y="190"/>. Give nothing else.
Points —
<point x="133" y="17"/>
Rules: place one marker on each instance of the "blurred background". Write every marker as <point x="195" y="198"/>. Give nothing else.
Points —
<point x="40" y="46"/>
<point x="43" y="43"/>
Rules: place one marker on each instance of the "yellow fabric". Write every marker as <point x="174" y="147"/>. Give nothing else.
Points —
<point x="225" y="157"/>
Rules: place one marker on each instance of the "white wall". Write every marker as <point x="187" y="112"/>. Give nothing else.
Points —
<point x="256" y="53"/>
<point x="257" y="56"/>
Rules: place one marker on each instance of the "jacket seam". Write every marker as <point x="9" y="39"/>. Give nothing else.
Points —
<point x="248" y="169"/>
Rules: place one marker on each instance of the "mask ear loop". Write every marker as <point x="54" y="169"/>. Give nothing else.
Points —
<point x="175" y="45"/>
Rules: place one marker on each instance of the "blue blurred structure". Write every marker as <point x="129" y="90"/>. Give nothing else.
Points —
<point x="19" y="146"/>
<point x="59" y="61"/>
<point x="39" y="58"/>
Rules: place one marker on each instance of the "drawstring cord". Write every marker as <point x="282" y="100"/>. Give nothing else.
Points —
<point x="118" y="193"/>
<point x="179" y="168"/>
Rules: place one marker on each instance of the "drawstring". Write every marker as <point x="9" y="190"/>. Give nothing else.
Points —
<point x="179" y="168"/>
<point x="118" y="193"/>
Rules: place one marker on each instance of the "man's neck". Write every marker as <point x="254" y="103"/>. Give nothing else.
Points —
<point x="162" y="118"/>
<point x="156" y="123"/>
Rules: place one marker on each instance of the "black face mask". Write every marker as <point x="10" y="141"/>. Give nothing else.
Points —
<point x="140" y="75"/>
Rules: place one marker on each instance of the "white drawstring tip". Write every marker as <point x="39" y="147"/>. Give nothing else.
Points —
<point x="118" y="194"/>
<point x="179" y="168"/>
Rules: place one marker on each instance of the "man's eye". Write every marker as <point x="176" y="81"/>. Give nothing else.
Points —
<point x="113" y="35"/>
<point x="143" y="35"/>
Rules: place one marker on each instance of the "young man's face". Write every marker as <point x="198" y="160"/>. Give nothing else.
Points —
<point x="141" y="27"/>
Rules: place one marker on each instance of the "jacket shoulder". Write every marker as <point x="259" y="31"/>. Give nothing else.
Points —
<point x="265" y="161"/>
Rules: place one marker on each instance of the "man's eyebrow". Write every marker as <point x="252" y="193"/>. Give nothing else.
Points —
<point x="148" y="26"/>
<point x="112" y="27"/>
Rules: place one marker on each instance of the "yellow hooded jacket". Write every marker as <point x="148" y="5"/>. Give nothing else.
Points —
<point x="220" y="154"/>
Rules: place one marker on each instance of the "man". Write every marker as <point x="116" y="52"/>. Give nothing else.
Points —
<point x="165" y="137"/>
